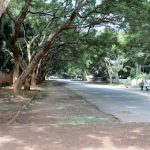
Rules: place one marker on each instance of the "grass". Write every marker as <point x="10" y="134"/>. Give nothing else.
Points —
<point x="27" y="105"/>
<point x="27" y="94"/>
<point x="82" y="120"/>
<point x="40" y="95"/>
<point x="8" y="94"/>
<point x="43" y="86"/>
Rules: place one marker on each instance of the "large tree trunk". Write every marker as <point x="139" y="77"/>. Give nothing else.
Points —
<point x="117" y="77"/>
<point x="16" y="61"/>
<point x="85" y="76"/>
<point x="15" y="34"/>
<point x="109" y="68"/>
<point x="3" y="5"/>
<point x="110" y="77"/>
<point x="19" y="82"/>
<point x="36" y="74"/>
<point x="33" y="78"/>
<point x="27" y="83"/>
<point x="16" y="71"/>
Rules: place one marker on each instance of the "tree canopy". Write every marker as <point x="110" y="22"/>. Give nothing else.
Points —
<point x="40" y="37"/>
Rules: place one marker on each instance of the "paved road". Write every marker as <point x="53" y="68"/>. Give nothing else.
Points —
<point x="129" y="105"/>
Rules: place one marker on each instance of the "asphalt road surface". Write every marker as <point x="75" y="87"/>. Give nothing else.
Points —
<point x="127" y="104"/>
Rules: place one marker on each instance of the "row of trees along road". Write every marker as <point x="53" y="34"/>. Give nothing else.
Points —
<point x="42" y="35"/>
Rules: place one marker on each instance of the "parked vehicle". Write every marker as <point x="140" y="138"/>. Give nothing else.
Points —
<point x="79" y="77"/>
<point x="147" y="85"/>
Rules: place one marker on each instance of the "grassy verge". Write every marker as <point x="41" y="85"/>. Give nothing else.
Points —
<point x="40" y="95"/>
<point x="38" y="92"/>
<point x="83" y="120"/>
<point x="43" y="86"/>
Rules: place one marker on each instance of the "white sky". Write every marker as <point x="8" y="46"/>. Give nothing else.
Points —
<point x="97" y="1"/>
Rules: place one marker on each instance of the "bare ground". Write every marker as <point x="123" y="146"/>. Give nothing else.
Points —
<point x="47" y="125"/>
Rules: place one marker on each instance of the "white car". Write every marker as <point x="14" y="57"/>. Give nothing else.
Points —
<point x="147" y="85"/>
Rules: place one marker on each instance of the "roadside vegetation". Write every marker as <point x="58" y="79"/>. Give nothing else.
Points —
<point x="83" y="120"/>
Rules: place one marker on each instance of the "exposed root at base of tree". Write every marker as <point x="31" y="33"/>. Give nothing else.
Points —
<point x="19" y="111"/>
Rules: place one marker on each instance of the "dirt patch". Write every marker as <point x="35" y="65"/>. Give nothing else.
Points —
<point x="81" y="137"/>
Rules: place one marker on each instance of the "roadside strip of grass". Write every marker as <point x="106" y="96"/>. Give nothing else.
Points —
<point x="39" y="92"/>
<point x="83" y="121"/>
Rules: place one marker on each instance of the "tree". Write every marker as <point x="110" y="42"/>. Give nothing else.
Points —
<point x="114" y="66"/>
<point x="68" y="19"/>
<point x="136" y="43"/>
<point x="49" y="21"/>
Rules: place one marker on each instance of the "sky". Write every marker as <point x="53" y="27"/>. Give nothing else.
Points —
<point x="97" y="1"/>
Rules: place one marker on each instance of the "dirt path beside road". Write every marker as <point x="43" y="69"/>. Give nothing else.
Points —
<point x="63" y="106"/>
<point x="65" y="121"/>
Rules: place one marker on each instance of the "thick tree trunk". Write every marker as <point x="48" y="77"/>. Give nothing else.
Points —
<point x="110" y="77"/>
<point x="109" y="68"/>
<point x="40" y="54"/>
<point x="16" y="71"/>
<point x="85" y="76"/>
<point x="117" y="77"/>
<point x="33" y="78"/>
<point x="17" y="86"/>
<point x="36" y="74"/>
<point x="27" y="83"/>
<point x="19" y="83"/>
<point x="16" y="31"/>
<point x="16" y="62"/>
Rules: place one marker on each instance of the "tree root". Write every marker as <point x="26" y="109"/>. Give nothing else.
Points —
<point x="19" y="111"/>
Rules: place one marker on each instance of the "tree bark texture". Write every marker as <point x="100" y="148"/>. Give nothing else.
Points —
<point x="17" y="65"/>
<point x="17" y="20"/>
<point x="33" y="78"/>
<point x="39" y="55"/>
<point x="117" y="77"/>
<point x="85" y="76"/>
<point x="109" y="68"/>
<point x="27" y="83"/>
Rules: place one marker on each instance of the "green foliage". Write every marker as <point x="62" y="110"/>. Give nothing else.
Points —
<point x="8" y="95"/>
<point x="6" y="61"/>
<point x="16" y="6"/>
<point x="119" y="64"/>
<point x="27" y="106"/>
<point x="86" y="48"/>
<point x="40" y="95"/>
